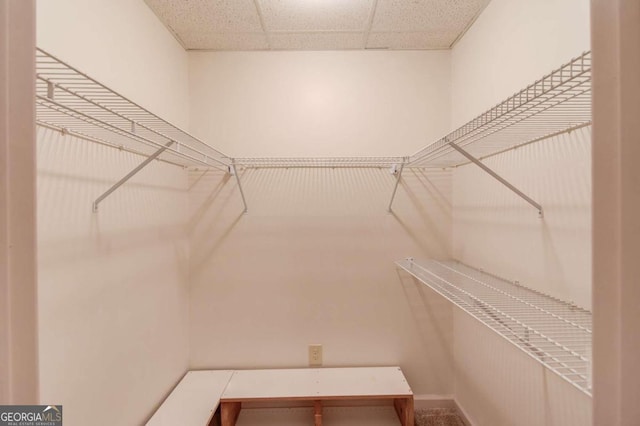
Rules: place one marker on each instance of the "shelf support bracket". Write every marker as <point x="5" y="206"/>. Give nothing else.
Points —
<point x="130" y="175"/>
<point x="499" y="178"/>
<point x="398" y="173"/>
<point x="235" y="173"/>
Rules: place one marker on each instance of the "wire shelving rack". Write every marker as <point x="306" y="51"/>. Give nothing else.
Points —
<point x="557" y="103"/>
<point x="71" y="102"/>
<point x="74" y="103"/>
<point x="555" y="333"/>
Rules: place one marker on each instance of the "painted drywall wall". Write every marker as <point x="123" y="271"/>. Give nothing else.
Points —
<point x="312" y="260"/>
<point x="112" y="285"/>
<point x="349" y="103"/>
<point x="512" y="44"/>
<point x="122" y="44"/>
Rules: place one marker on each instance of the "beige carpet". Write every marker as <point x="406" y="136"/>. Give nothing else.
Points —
<point x="438" y="417"/>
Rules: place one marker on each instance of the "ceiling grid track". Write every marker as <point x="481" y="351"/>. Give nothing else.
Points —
<point x="372" y="16"/>
<point x="267" y="34"/>
<point x="245" y="25"/>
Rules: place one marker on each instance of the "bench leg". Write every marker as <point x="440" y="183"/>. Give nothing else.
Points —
<point x="229" y="413"/>
<point x="404" y="409"/>
<point x="317" y="407"/>
<point x="215" y="419"/>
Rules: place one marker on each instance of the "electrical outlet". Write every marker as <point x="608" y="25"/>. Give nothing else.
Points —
<point x="315" y="355"/>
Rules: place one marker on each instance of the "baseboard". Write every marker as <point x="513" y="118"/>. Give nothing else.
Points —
<point x="425" y="402"/>
<point x="463" y="414"/>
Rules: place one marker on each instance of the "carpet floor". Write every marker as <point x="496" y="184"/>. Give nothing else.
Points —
<point x="438" y="417"/>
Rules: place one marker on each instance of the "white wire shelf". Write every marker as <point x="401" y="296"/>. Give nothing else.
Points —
<point x="319" y="162"/>
<point x="557" y="103"/>
<point x="555" y="333"/>
<point x="72" y="102"/>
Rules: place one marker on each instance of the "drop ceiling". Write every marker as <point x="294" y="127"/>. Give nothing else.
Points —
<point x="316" y="24"/>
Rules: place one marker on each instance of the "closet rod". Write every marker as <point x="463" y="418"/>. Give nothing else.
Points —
<point x="65" y="132"/>
<point x="136" y="126"/>
<point x="76" y="120"/>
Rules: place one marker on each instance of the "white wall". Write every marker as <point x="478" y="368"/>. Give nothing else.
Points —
<point x="113" y="294"/>
<point x="513" y="43"/>
<point x="312" y="261"/>
<point x="345" y="103"/>
<point x="122" y="44"/>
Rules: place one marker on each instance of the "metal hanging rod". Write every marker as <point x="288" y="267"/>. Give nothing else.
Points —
<point x="55" y="115"/>
<point x="318" y="162"/>
<point x="555" y="333"/>
<point x="102" y="142"/>
<point x="559" y="102"/>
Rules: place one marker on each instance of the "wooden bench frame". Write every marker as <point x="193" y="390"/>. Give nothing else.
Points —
<point x="302" y="381"/>
<point x="230" y="409"/>
<point x="199" y="393"/>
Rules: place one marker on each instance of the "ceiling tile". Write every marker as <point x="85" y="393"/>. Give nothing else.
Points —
<point x="315" y="15"/>
<point x="207" y="15"/>
<point x="411" y="40"/>
<point x="425" y="15"/>
<point x="317" y="41"/>
<point x="225" y="41"/>
<point x="316" y="24"/>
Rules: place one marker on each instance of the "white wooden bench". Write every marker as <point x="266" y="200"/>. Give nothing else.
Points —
<point x="317" y="386"/>
<point x="194" y="401"/>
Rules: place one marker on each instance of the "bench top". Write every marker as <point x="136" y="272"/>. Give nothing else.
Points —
<point x="317" y="383"/>
<point x="194" y="400"/>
